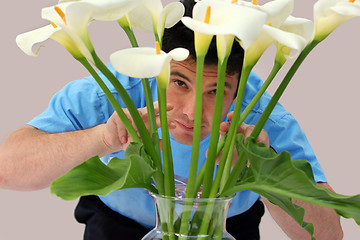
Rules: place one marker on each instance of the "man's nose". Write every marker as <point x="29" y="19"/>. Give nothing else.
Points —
<point x="189" y="107"/>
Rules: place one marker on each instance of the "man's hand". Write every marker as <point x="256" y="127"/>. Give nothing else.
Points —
<point x="115" y="135"/>
<point x="246" y="130"/>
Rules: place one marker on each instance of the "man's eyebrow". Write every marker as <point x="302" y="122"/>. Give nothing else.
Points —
<point x="228" y="85"/>
<point x="179" y="74"/>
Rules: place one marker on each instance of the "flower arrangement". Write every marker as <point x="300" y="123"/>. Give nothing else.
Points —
<point x="255" y="28"/>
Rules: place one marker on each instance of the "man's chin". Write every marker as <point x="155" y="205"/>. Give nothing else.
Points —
<point x="182" y="137"/>
<point x="182" y="140"/>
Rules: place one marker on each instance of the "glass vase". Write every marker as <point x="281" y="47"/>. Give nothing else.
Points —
<point x="180" y="218"/>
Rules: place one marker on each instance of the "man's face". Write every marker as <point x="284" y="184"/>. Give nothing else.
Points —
<point x="181" y="94"/>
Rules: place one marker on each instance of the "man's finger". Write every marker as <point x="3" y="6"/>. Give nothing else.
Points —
<point x="224" y="128"/>
<point x="171" y="125"/>
<point x="156" y="107"/>
<point x="230" y="115"/>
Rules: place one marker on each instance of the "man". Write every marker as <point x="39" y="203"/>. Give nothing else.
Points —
<point x="80" y="123"/>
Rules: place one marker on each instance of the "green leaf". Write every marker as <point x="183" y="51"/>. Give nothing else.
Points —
<point x="93" y="177"/>
<point x="280" y="179"/>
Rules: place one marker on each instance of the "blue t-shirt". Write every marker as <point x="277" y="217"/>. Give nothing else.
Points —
<point x="82" y="104"/>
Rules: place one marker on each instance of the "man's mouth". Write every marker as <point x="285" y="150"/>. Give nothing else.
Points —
<point x="185" y="127"/>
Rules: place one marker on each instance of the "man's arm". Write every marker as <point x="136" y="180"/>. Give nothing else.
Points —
<point x="325" y="220"/>
<point x="31" y="159"/>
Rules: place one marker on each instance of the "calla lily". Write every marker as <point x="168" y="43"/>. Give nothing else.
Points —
<point x="146" y="63"/>
<point x="226" y="19"/>
<point x="150" y="15"/>
<point x="67" y="27"/>
<point x="108" y="10"/>
<point x="299" y="26"/>
<point x="329" y="14"/>
<point x="274" y="31"/>
<point x="70" y="20"/>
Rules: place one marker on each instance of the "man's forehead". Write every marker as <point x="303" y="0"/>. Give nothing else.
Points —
<point x="190" y="65"/>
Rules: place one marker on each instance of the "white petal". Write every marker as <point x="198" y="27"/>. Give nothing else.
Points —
<point x="329" y="14"/>
<point x="141" y="18"/>
<point x="73" y="44"/>
<point x="257" y="48"/>
<point x="322" y="6"/>
<point x="169" y="16"/>
<point x="174" y="12"/>
<point x="300" y="26"/>
<point x="50" y="14"/>
<point x="139" y="62"/>
<point x="144" y="15"/>
<point x="111" y="10"/>
<point x="179" y="54"/>
<point x="347" y="9"/>
<point x="163" y="77"/>
<point x="108" y="10"/>
<point x="343" y="7"/>
<point x="278" y="11"/>
<point x="63" y="1"/>
<point x="26" y="41"/>
<point x="223" y="45"/>
<point x="226" y="19"/>
<point x="77" y="15"/>
<point x="154" y="6"/>
<point x="291" y="40"/>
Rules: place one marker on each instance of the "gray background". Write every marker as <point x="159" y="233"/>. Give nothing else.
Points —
<point x="323" y="97"/>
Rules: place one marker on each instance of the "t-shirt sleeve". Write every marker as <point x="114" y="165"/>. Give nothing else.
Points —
<point x="77" y="106"/>
<point x="286" y="135"/>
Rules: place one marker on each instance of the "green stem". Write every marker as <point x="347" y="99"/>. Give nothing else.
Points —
<point x="228" y="147"/>
<point x="130" y="33"/>
<point x="229" y="143"/>
<point x="206" y="218"/>
<point x="145" y="82"/>
<point x="274" y="100"/>
<point x="265" y="115"/>
<point x="277" y="66"/>
<point x="241" y="163"/>
<point x="169" y="180"/>
<point x="238" y="168"/>
<point x="112" y="99"/>
<point x="144" y="135"/>
<point x="190" y="189"/>
<point x="148" y="95"/>
<point x="197" y="125"/>
<point x="227" y="168"/>
<point x="151" y="115"/>
<point x="215" y="129"/>
<point x="199" y="180"/>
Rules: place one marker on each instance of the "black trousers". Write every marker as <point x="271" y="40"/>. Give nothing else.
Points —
<point x="102" y="223"/>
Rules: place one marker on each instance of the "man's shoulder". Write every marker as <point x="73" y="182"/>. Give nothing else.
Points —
<point x="253" y="85"/>
<point x="88" y="85"/>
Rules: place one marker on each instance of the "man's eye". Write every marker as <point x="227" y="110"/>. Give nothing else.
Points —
<point x="213" y="92"/>
<point x="180" y="83"/>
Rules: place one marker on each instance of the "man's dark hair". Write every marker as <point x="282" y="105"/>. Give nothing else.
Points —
<point x="181" y="36"/>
